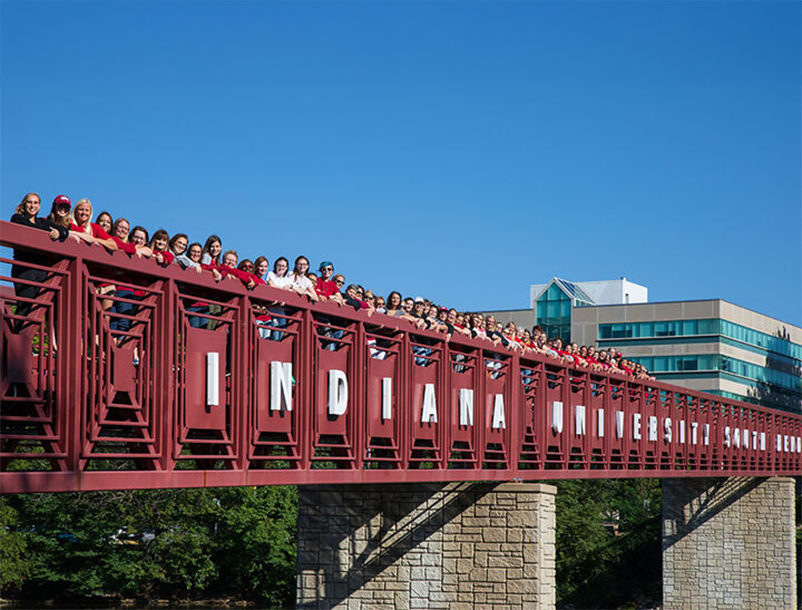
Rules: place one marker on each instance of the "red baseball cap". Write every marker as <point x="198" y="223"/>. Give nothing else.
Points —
<point x="62" y="200"/>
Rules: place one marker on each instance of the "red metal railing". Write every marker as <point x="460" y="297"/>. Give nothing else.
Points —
<point x="89" y="404"/>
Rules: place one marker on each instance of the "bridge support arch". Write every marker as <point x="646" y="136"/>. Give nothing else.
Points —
<point x="729" y="543"/>
<point x="455" y="546"/>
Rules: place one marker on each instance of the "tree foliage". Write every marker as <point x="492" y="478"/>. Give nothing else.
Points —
<point x="608" y="542"/>
<point x="188" y="543"/>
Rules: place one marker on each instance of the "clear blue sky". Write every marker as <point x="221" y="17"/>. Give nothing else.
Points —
<point x="460" y="151"/>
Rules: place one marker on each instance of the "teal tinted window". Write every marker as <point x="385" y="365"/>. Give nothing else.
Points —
<point x="708" y="327"/>
<point x="554" y="313"/>
<point x="690" y="328"/>
<point x="715" y="362"/>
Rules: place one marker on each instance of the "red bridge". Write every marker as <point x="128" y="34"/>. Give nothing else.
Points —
<point x="169" y="404"/>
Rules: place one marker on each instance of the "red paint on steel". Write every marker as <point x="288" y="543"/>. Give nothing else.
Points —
<point x="89" y="405"/>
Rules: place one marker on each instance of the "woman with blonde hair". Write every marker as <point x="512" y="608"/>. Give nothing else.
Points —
<point x="81" y="223"/>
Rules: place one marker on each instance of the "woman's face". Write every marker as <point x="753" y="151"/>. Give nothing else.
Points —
<point x="262" y="268"/>
<point x="301" y="266"/>
<point x="121" y="232"/>
<point x="179" y="245"/>
<point x="82" y="213"/>
<point x="62" y="211"/>
<point x="379" y="301"/>
<point x="32" y="204"/>
<point x="160" y="243"/>
<point x="247" y="266"/>
<point x="138" y="238"/>
<point x="281" y="267"/>
<point x="230" y="260"/>
<point x="395" y="300"/>
<point x="104" y="222"/>
<point x="195" y="253"/>
<point x="215" y="249"/>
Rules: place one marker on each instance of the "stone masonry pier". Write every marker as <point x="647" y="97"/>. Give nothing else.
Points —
<point x="456" y="546"/>
<point x="728" y="543"/>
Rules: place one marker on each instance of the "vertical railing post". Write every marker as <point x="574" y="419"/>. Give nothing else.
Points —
<point x="71" y="329"/>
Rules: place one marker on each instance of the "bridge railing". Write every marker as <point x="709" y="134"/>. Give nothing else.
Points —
<point x="175" y="380"/>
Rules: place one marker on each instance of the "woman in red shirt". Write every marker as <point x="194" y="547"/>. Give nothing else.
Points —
<point x="81" y="223"/>
<point x="159" y="243"/>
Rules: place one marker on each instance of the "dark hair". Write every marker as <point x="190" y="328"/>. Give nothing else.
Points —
<point x="390" y="298"/>
<point x="298" y="260"/>
<point x="211" y="239"/>
<point x="138" y="228"/>
<point x="160" y="234"/>
<point x="176" y="237"/>
<point x="242" y="263"/>
<point x="111" y="218"/>
<point x="277" y="261"/>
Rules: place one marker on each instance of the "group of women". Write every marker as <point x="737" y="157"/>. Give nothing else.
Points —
<point x="67" y="222"/>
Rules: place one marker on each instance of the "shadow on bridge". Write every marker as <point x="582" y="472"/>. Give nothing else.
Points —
<point x="390" y="524"/>
<point x="695" y="502"/>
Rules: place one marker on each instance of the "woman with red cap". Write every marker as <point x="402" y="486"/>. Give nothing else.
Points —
<point x="26" y="215"/>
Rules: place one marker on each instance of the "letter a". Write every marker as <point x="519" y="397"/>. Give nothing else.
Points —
<point x="498" y="413"/>
<point x="429" y="411"/>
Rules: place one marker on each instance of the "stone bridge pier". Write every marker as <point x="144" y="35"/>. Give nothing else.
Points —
<point x="729" y="543"/>
<point x="456" y="546"/>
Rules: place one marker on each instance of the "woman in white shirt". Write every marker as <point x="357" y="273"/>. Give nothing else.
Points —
<point x="300" y="283"/>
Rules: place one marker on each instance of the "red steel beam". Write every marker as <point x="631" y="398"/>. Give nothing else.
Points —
<point x="166" y="404"/>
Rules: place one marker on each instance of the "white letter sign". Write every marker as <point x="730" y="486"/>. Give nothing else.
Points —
<point x="387" y="398"/>
<point x="338" y="392"/>
<point x="579" y="420"/>
<point x="280" y="386"/>
<point x="619" y="424"/>
<point x="212" y="379"/>
<point x="498" y="413"/>
<point x="429" y="411"/>
<point x="557" y="417"/>
<point x="465" y="407"/>
<point x="636" y="426"/>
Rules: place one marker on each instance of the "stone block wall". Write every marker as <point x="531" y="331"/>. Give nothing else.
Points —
<point x="457" y="546"/>
<point x="729" y="543"/>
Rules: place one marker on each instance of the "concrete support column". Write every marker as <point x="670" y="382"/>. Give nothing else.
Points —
<point x="728" y="543"/>
<point x="456" y="546"/>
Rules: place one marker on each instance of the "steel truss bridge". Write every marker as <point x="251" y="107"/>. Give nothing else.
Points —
<point x="324" y="395"/>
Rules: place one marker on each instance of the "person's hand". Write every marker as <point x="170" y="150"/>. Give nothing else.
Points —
<point x="53" y="234"/>
<point x="75" y="236"/>
<point x="217" y="275"/>
<point x="251" y="283"/>
<point x="198" y="269"/>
